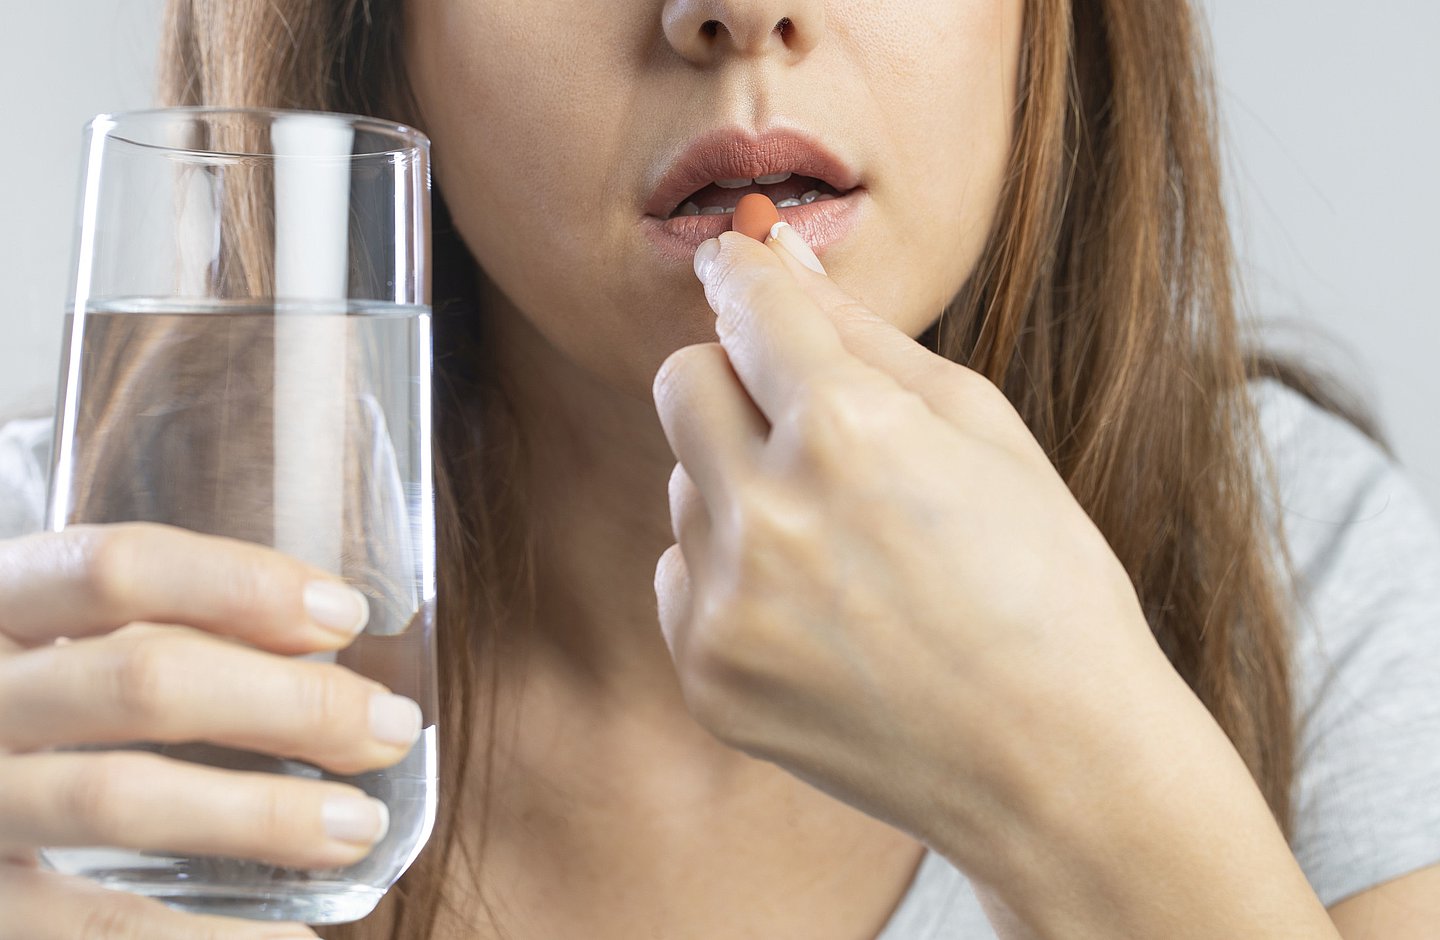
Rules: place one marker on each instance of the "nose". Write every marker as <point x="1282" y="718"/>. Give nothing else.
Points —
<point x="704" y="31"/>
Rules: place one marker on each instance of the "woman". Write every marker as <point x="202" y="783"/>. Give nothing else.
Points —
<point x="973" y="604"/>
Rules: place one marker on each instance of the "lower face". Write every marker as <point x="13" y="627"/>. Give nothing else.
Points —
<point x="551" y="122"/>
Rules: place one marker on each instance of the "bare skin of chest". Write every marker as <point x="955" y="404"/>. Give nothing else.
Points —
<point x="611" y="818"/>
<point x="796" y="865"/>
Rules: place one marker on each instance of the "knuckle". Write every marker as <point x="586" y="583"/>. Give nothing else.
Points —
<point x="684" y="495"/>
<point x="710" y="696"/>
<point x="974" y="383"/>
<point x="828" y="419"/>
<point x="670" y="566"/>
<point x="710" y="655"/>
<point x="275" y="816"/>
<point x="327" y="701"/>
<point x="850" y="309"/>
<point x="665" y="376"/>
<point x="108" y="556"/>
<point x="702" y="674"/>
<point x="679" y="479"/>
<point x="705" y="706"/>
<point x="146" y="678"/>
<point x="835" y="422"/>
<point x="96" y="795"/>
<point x="669" y="377"/>
<point x="732" y="666"/>
<point x="725" y="643"/>
<point x="245" y="587"/>
<point x="767" y="522"/>
<point x="981" y="397"/>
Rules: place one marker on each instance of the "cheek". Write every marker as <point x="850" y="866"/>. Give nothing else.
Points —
<point x="504" y="124"/>
<point x="527" y="155"/>
<point x="951" y="116"/>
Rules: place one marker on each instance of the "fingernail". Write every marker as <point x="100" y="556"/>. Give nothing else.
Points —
<point x="355" y="819"/>
<point x="705" y="254"/>
<point x="337" y="607"/>
<point x="394" y="719"/>
<point x="791" y="241"/>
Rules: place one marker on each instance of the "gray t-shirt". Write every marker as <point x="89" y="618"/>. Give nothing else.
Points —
<point x="1367" y="658"/>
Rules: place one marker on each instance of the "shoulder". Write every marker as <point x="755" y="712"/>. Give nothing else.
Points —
<point x="24" y="466"/>
<point x="1348" y="511"/>
<point x="1359" y="533"/>
<point x="1365" y="548"/>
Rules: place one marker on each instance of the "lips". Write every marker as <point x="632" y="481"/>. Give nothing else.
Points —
<point x="731" y="154"/>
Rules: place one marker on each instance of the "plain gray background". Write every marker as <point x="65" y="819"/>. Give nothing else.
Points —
<point x="1331" y="118"/>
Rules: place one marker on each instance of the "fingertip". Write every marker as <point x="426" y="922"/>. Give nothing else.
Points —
<point x="705" y="257"/>
<point x="783" y="235"/>
<point x="337" y="608"/>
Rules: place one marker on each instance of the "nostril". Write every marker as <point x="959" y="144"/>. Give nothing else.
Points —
<point x="711" y="28"/>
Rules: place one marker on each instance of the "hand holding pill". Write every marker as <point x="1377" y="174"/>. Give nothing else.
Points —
<point x="868" y="535"/>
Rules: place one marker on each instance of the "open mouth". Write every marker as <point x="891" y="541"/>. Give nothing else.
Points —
<point x="783" y="189"/>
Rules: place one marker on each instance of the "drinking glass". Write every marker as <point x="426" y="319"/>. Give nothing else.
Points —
<point x="247" y="354"/>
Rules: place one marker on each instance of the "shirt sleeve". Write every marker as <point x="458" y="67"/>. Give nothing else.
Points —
<point x="24" y="469"/>
<point x="1366" y="551"/>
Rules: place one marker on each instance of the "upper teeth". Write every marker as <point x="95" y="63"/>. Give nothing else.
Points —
<point x="762" y="180"/>
<point x="813" y="195"/>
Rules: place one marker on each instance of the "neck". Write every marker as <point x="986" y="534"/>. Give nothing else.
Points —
<point x="594" y="467"/>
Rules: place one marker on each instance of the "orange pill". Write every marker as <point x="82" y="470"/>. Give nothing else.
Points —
<point x="754" y="215"/>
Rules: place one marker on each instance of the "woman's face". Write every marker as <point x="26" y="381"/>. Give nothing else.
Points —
<point x="552" y="123"/>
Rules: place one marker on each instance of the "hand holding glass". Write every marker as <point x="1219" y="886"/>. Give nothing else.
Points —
<point x="248" y="355"/>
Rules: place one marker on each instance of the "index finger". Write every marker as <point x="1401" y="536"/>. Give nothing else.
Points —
<point x="778" y="339"/>
<point x="91" y="579"/>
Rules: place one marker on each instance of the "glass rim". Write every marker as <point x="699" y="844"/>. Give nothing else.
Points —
<point x="404" y="137"/>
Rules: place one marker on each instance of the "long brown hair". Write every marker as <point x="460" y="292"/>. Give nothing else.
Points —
<point x="1102" y="305"/>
